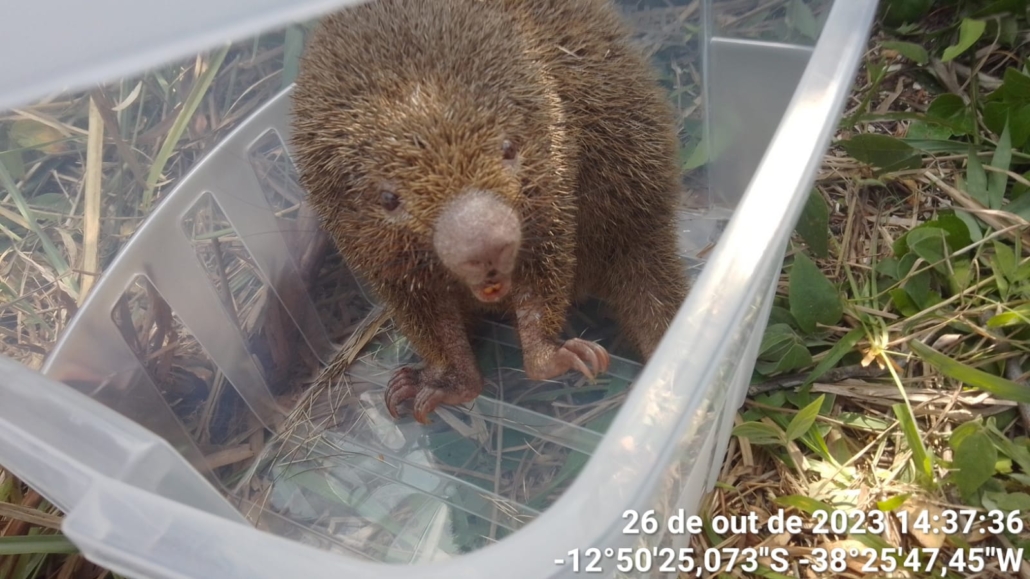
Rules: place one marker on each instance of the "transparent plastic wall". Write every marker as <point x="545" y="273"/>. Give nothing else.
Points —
<point x="753" y="66"/>
<point x="97" y="435"/>
<point x="773" y="90"/>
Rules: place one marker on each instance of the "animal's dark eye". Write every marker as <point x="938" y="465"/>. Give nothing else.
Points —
<point x="389" y="200"/>
<point x="508" y="150"/>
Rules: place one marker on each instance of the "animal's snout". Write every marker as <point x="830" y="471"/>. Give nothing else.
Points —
<point x="477" y="236"/>
<point x="493" y="255"/>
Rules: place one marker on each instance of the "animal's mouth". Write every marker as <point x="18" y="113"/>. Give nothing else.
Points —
<point x="492" y="290"/>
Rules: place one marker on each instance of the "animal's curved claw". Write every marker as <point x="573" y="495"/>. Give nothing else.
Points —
<point x="429" y="389"/>
<point x="403" y="386"/>
<point x="426" y="402"/>
<point x="590" y="358"/>
<point x="587" y="358"/>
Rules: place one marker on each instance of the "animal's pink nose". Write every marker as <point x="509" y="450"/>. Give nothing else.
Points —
<point x="477" y="236"/>
<point x="493" y="255"/>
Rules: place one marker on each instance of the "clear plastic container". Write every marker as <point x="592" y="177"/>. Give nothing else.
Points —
<point x="333" y="486"/>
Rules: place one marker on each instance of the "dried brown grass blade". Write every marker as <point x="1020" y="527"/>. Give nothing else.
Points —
<point x="355" y="343"/>
<point x="91" y="202"/>
<point x="30" y="515"/>
<point x="106" y="109"/>
<point x="993" y="218"/>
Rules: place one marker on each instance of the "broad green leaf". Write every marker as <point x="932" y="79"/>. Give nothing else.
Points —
<point x="904" y="303"/>
<point x="956" y="233"/>
<point x="801" y="398"/>
<point x="996" y="182"/>
<point x="1011" y="501"/>
<point x="1003" y="466"/>
<point x="863" y="421"/>
<point x="800" y="18"/>
<point x="760" y="433"/>
<point x="1005" y="259"/>
<point x="924" y="466"/>
<point x="974" y="460"/>
<point x="1000" y="6"/>
<point x="907" y="259"/>
<point x="961" y="274"/>
<point x="976" y="179"/>
<point x="31" y="134"/>
<point x="1018" y="452"/>
<point x="792" y="356"/>
<point x="892" y="503"/>
<point x="972" y="228"/>
<point x="969" y="32"/>
<point x="1008" y="32"/>
<point x="1017" y="317"/>
<point x="883" y="151"/>
<point x="970" y="376"/>
<point x="888" y="267"/>
<point x="939" y="146"/>
<point x="998" y="114"/>
<point x="928" y="130"/>
<point x="918" y="288"/>
<point x="697" y="157"/>
<point x="814" y="224"/>
<point x="778" y="315"/>
<point x="776" y="398"/>
<point x="1020" y="207"/>
<point x="804" y="419"/>
<point x="838" y="351"/>
<point x="1015" y="87"/>
<point x="1022" y="274"/>
<point x="951" y="108"/>
<point x="776" y="338"/>
<point x="898" y="12"/>
<point x="964" y="431"/>
<point x="930" y="244"/>
<point x="813" y="299"/>
<point x="995" y="113"/>
<point x="1019" y="190"/>
<point x="909" y="50"/>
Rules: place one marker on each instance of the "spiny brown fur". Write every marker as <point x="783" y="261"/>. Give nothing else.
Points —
<point x="416" y="97"/>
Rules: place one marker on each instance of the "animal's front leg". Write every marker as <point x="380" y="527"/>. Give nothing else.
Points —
<point x="545" y="355"/>
<point x="448" y="374"/>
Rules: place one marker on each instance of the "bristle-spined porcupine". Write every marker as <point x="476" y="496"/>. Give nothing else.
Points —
<point x="513" y="155"/>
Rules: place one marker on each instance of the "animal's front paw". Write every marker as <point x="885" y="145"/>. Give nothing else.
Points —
<point x="429" y="389"/>
<point x="588" y="358"/>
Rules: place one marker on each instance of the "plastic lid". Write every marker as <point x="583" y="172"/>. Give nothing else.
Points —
<point x="86" y="43"/>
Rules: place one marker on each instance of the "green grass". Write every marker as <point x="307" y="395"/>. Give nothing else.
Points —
<point x="911" y="258"/>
